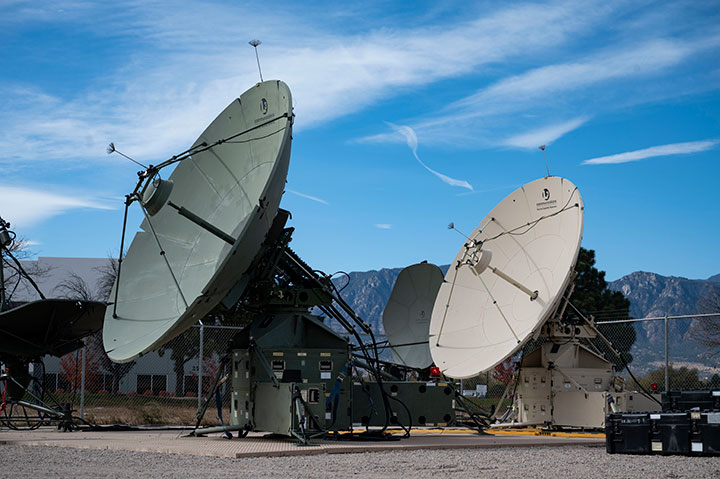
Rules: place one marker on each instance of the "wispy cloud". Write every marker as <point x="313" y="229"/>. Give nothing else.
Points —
<point x="383" y="226"/>
<point x="25" y="206"/>
<point x="412" y="141"/>
<point x="182" y="70"/>
<point x="177" y="71"/>
<point x="488" y="190"/>
<point x="544" y="135"/>
<point x="307" y="197"/>
<point x="655" y="151"/>
<point x="614" y="63"/>
<point x="558" y="89"/>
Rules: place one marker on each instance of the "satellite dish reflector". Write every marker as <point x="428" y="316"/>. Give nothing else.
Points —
<point x="235" y="187"/>
<point x="48" y="326"/>
<point x="508" y="278"/>
<point x="407" y="314"/>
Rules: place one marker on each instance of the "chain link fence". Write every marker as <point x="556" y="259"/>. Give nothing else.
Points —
<point x="167" y="386"/>
<point x="663" y="353"/>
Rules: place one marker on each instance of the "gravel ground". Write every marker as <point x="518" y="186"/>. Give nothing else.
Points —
<point x="555" y="462"/>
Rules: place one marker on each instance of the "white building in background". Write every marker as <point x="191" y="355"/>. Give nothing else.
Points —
<point x="54" y="272"/>
<point x="151" y="372"/>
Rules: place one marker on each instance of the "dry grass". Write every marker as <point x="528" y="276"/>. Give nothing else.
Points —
<point x="152" y="413"/>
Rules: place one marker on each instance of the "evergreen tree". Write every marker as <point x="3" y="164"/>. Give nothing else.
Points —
<point x="593" y="298"/>
<point x="680" y="378"/>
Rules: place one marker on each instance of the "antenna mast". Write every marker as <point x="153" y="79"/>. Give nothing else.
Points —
<point x="7" y="237"/>
<point x="542" y="147"/>
<point x="111" y="149"/>
<point x="5" y="240"/>
<point x="255" y="44"/>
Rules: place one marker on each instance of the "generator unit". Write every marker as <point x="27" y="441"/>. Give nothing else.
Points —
<point x="565" y="386"/>
<point x="568" y="385"/>
<point x="290" y="375"/>
<point x="427" y="403"/>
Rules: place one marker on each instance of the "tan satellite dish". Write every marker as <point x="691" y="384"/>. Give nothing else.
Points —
<point x="406" y="317"/>
<point x="508" y="278"/>
<point x="209" y="218"/>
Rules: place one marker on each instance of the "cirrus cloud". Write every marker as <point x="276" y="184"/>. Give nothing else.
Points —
<point x="26" y="206"/>
<point x="545" y="135"/>
<point x="662" y="150"/>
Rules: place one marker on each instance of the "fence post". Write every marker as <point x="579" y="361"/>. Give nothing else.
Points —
<point x="82" y="384"/>
<point x="667" y="360"/>
<point x="200" y="365"/>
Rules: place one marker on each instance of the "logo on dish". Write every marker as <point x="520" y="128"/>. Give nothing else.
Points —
<point x="264" y="106"/>
<point x="546" y="194"/>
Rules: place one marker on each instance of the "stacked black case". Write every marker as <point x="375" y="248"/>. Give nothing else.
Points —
<point x="687" y="432"/>
<point x="703" y="400"/>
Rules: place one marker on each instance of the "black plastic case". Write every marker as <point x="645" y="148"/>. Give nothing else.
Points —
<point x="704" y="400"/>
<point x="685" y="433"/>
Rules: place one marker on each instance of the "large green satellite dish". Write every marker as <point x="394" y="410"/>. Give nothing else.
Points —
<point x="235" y="186"/>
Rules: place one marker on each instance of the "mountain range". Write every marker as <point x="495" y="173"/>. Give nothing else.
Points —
<point x="650" y="295"/>
<point x="654" y="295"/>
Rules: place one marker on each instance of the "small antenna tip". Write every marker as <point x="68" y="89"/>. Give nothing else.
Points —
<point x="110" y="148"/>
<point x="255" y="42"/>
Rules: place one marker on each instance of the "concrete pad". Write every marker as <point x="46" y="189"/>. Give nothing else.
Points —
<point x="257" y="445"/>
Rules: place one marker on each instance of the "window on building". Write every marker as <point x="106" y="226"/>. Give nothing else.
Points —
<point x="63" y="383"/>
<point x="159" y="383"/>
<point x="190" y="385"/>
<point x="144" y="383"/>
<point x="107" y="383"/>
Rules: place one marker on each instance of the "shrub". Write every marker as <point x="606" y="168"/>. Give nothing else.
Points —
<point x="71" y="370"/>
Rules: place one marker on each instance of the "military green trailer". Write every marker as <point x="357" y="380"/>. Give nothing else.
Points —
<point x="291" y="375"/>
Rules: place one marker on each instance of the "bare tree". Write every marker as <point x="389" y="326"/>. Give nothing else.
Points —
<point x="15" y="279"/>
<point x="108" y="274"/>
<point x="106" y="281"/>
<point x="75" y="287"/>
<point x="706" y="331"/>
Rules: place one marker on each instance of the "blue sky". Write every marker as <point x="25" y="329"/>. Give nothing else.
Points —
<point x="625" y="95"/>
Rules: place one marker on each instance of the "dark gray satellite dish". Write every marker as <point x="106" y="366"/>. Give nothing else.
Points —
<point x="49" y="326"/>
<point x="30" y="331"/>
